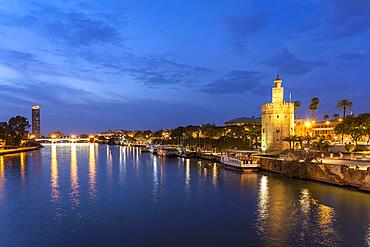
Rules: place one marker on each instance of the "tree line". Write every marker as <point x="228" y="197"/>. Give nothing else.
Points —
<point x="207" y="136"/>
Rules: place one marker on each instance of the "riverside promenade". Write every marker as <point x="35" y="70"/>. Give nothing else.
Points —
<point x="17" y="150"/>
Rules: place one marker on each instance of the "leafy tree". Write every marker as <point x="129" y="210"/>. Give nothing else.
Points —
<point x="14" y="130"/>
<point x="326" y="117"/>
<point x="364" y="119"/>
<point x="352" y="126"/>
<point x="254" y="132"/>
<point x="336" y="116"/>
<point x="344" y="104"/>
<point x="322" y="144"/>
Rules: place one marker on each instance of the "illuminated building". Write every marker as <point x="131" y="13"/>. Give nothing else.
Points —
<point x="36" y="127"/>
<point x="277" y="120"/>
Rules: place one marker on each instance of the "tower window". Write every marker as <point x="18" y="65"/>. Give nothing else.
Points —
<point x="277" y="116"/>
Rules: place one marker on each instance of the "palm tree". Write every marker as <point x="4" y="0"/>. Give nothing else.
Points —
<point x="313" y="106"/>
<point x="292" y="140"/>
<point x="344" y="104"/>
<point x="326" y="117"/>
<point x="297" y="104"/>
<point x="336" y="116"/>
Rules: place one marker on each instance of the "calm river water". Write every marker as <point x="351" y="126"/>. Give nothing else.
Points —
<point x="98" y="195"/>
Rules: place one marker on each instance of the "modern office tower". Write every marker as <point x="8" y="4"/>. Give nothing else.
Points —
<point x="36" y="128"/>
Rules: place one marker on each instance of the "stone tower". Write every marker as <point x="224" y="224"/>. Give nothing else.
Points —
<point x="277" y="120"/>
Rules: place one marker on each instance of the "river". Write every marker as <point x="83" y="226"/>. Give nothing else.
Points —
<point x="99" y="195"/>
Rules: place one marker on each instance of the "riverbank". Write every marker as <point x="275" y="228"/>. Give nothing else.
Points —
<point x="339" y="175"/>
<point x="18" y="150"/>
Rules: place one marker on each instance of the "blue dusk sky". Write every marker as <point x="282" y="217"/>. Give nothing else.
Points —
<point x="116" y="64"/>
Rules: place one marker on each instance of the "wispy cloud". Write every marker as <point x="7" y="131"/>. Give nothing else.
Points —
<point x="350" y="56"/>
<point x="70" y="27"/>
<point x="234" y="82"/>
<point x="160" y="72"/>
<point x="287" y="63"/>
<point x="241" y="27"/>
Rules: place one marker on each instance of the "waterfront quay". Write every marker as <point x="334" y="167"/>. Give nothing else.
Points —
<point x="339" y="172"/>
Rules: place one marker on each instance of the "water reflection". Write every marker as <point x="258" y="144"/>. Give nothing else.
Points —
<point x="92" y="172"/>
<point x="109" y="162"/>
<point x="214" y="174"/>
<point x="22" y="162"/>
<point x="305" y="201"/>
<point x="367" y="238"/>
<point x="282" y="212"/>
<point x="74" y="177"/>
<point x="122" y="163"/>
<point x="155" y="179"/>
<point x="2" y="177"/>
<point x="260" y="209"/>
<point x="263" y="203"/>
<point x="187" y="174"/>
<point x="54" y="184"/>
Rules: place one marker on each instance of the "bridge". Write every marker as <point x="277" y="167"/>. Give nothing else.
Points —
<point x="63" y="140"/>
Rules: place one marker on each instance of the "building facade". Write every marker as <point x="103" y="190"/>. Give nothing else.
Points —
<point x="36" y="126"/>
<point x="277" y="120"/>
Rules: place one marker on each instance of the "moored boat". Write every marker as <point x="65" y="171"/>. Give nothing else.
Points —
<point x="242" y="163"/>
<point x="162" y="151"/>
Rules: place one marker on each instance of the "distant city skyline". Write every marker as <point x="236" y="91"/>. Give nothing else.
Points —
<point x="94" y="66"/>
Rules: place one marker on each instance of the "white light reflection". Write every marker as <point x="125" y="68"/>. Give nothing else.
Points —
<point x="122" y="163"/>
<point x="305" y="201"/>
<point x="155" y="179"/>
<point x="187" y="173"/>
<point x="187" y="180"/>
<point x="74" y="177"/>
<point x="109" y="162"/>
<point x="263" y="201"/>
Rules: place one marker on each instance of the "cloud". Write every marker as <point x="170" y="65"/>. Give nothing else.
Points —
<point x="7" y="72"/>
<point x="157" y="71"/>
<point x="71" y="27"/>
<point x="287" y="63"/>
<point x="350" y="56"/>
<point x="13" y="55"/>
<point x="235" y="82"/>
<point x="241" y="27"/>
<point x="348" y="17"/>
<point x="340" y="19"/>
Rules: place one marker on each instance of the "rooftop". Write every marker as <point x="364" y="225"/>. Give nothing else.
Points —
<point x="243" y="120"/>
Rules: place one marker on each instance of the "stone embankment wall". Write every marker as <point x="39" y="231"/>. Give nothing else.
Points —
<point x="335" y="174"/>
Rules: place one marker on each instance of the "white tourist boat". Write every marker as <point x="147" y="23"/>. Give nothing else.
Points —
<point x="242" y="163"/>
<point x="167" y="151"/>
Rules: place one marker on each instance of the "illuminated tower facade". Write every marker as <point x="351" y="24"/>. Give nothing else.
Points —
<point x="36" y="127"/>
<point x="277" y="120"/>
